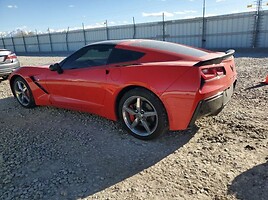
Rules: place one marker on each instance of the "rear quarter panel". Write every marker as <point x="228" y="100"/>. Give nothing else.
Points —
<point x="181" y="99"/>
<point x="154" y="77"/>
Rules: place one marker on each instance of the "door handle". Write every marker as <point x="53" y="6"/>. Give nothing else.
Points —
<point x="107" y="71"/>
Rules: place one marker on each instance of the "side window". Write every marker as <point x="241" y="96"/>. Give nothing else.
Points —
<point x="88" y="57"/>
<point x="123" y="55"/>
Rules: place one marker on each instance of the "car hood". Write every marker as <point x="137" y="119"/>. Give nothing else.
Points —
<point x="35" y="68"/>
<point x="31" y="70"/>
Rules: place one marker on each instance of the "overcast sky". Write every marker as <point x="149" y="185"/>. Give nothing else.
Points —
<point x="38" y="15"/>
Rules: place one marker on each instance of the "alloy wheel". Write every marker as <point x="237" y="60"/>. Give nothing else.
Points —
<point x="22" y="93"/>
<point x="140" y="116"/>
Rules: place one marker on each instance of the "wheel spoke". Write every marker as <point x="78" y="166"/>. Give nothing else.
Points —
<point x="20" y="86"/>
<point x="146" y="126"/>
<point x="149" y="114"/>
<point x="129" y="111"/>
<point x="24" y="89"/>
<point x="26" y="98"/>
<point x="138" y="104"/>
<point x="135" y="123"/>
<point x="18" y="92"/>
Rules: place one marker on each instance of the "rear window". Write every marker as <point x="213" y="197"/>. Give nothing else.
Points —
<point x="170" y="47"/>
<point x="123" y="55"/>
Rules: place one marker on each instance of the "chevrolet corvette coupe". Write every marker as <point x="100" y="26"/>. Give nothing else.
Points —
<point x="149" y="86"/>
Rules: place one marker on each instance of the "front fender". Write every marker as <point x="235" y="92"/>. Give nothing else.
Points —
<point x="40" y="96"/>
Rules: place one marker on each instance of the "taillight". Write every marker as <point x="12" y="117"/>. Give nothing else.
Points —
<point x="10" y="57"/>
<point x="212" y="72"/>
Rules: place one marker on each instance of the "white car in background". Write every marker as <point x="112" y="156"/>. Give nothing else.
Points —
<point x="8" y="63"/>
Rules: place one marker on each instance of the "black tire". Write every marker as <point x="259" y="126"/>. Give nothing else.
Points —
<point x="23" y="93"/>
<point x="142" y="114"/>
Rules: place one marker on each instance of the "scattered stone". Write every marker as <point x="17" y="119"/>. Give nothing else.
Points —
<point x="250" y="148"/>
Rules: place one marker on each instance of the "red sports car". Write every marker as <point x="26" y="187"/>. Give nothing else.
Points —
<point x="149" y="86"/>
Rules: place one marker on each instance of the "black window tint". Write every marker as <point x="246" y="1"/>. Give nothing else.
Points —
<point x="123" y="55"/>
<point x="88" y="56"/>
<point x="171" y="47"/>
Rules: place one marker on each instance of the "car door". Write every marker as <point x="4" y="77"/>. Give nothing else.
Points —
<point x="81" y="85"/>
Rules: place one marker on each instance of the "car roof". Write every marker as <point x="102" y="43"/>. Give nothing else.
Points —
<point x="156" y="45"/>
<point x="114" y="42"/>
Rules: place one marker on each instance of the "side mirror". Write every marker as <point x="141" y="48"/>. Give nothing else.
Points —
<point x="56" y="67"/>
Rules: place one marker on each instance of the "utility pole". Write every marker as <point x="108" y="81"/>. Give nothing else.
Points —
<point x="259" y="6"/>
<point x="257" y="23"/>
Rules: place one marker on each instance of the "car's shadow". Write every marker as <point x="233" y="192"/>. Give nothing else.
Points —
<point x="57" y="154"/>
<point x="252" y="184"/>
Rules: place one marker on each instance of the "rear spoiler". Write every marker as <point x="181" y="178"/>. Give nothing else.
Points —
<point x="216" y="60"/>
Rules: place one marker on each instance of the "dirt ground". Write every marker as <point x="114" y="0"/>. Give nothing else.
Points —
<point x="50" y="153"/>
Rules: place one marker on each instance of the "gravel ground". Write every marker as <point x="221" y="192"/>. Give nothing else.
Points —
<point x="50" y="153"/>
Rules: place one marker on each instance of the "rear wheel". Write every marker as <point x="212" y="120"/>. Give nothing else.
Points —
<point x="23" y="93"/>
<point x="142" y="114"/>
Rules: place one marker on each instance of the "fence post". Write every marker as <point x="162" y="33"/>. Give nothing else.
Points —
<point x="204" y="25"/>
<point x="50" y="41"/>
<point x="66" y="38"/>
<point x="14" y="47"/>
<point x="4" y="45"/>
<point x="163" y="20"/>
<point x="134" y="28"/>
<point x="24" y="44"/>
<point x="38" y="42"/>
<point x="84" y="33"/>
<point x="204" y="28"/>
<point x="107" y="31"/>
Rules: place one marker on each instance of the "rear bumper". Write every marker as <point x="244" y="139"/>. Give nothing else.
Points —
<point x="212" y="105"/>
<point x="6" y="69"/>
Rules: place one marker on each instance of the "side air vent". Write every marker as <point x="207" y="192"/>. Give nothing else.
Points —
<point x="38" y="85"/>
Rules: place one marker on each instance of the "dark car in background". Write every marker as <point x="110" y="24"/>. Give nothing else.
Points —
<point x="8" y="63"/>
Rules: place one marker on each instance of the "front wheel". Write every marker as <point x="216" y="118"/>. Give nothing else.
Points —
<point x="23" y="93"/>
<point x="142" y="114"/>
